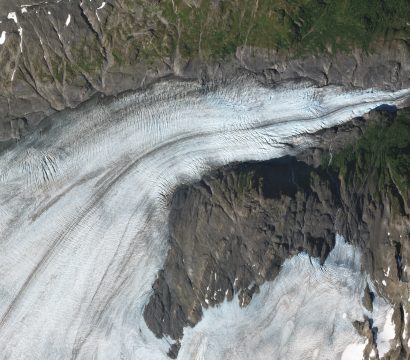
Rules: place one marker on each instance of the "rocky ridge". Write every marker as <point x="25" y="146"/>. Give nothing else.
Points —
<point x="230" y="232"/>
<point x="55" y="55"/>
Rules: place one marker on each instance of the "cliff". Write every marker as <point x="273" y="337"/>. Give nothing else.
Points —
<point x="231" y="232"/>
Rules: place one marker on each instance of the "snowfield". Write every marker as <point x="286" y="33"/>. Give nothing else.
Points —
<point x="83" y="219"/>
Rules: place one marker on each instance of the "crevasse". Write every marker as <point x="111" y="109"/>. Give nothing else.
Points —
<point x="83" y="225"/>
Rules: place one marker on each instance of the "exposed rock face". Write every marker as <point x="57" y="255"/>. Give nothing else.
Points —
<point x="55" y="55"/>
<point x="231" y="232"/>
<point x="377" y="219"/>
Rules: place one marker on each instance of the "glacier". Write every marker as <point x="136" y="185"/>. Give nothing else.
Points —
<point x="83" y="204"/>
<point x="305" y="313"/>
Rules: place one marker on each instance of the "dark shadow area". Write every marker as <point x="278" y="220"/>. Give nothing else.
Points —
<point x="392" y="109"/>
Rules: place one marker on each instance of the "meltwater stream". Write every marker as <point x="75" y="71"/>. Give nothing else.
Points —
<point x="83" y="207"/>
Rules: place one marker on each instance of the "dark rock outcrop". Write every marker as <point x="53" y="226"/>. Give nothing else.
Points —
<point x="231" y="232"/>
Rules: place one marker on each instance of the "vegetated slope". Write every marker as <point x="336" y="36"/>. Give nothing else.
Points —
<point x="380" y="159"/>
<point x="56" y="54"/>
<point x="215" y="29"/>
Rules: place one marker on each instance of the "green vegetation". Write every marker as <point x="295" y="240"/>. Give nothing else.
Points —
<point x="381" y="158"/>
<point x="245" y="182"/>
<point x="146" y="31"/>
<point x="214" y="30"/>
<point x="57" y="66"/>
<point x="88" y="56"/>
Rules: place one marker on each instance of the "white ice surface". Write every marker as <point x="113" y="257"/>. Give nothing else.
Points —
<point x="405" y="323"/>
<point x="387" y="272"/>
<point x="12" y="16"/>
<point x="2" y="37"/>
<point x="101" y="6"/>
<point x="83" y="216"/>
<point x="306" y="313"/>
<point x="354" y="351"/>
<point x="387" y="333"/>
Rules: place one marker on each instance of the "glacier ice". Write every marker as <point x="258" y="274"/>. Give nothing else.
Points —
<point x="83" y="205"/>
<point x="305" y="313"/>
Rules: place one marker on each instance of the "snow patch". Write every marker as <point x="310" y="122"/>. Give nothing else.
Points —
<point x="12" y="16"/>
<point x="20" y="30"/>
<point x="354" y="351"/>
<point x="67" y="22"/>
<point x="99" y="8"/>
<point x="2" y="37"/>
<point x="102" y="6"/>
<point x="406" y="321"/>
<point x="388" y="333"/>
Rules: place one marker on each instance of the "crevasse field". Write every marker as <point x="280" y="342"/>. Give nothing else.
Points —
<point x="83" y="226"/>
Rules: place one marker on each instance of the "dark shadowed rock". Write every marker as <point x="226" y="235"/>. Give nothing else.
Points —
<point x="232" y="231"/>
